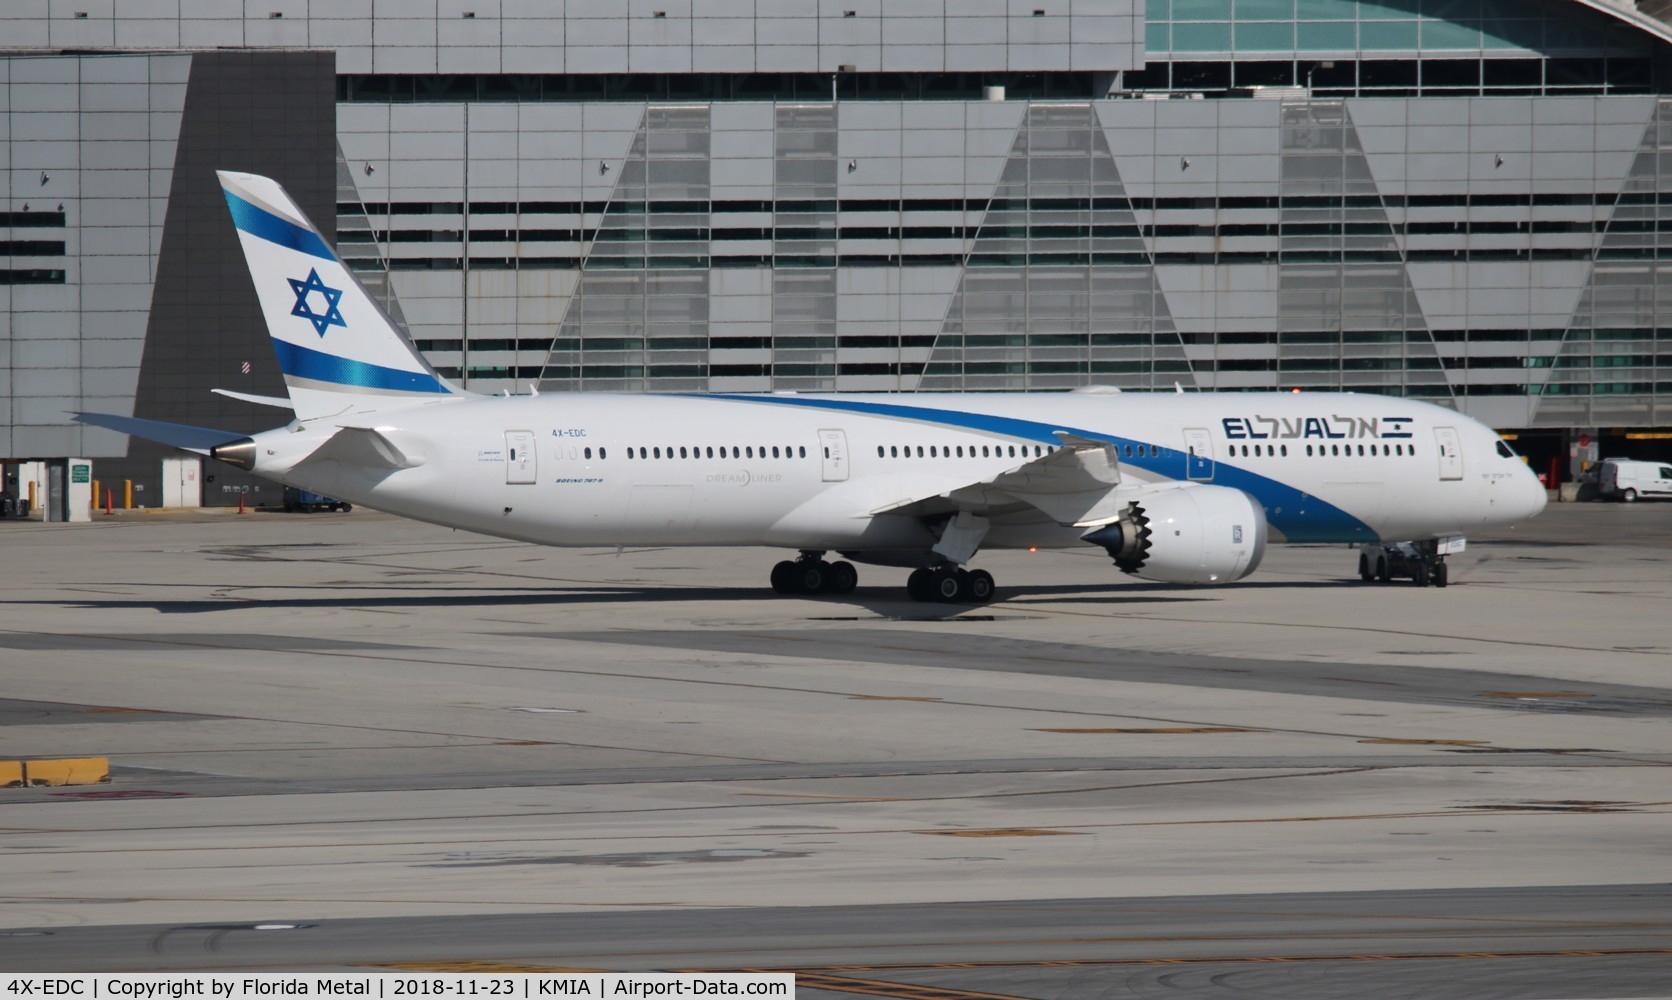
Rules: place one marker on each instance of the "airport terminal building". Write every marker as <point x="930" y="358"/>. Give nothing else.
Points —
<point x="1464" y="201"/>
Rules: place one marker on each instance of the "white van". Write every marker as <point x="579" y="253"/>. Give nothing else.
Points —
<point x="1627" y="479"/>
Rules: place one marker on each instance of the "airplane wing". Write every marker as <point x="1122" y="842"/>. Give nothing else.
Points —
<point x="1074" y="484"/>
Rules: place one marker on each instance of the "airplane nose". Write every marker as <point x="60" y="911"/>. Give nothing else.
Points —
<point x="1537" y="496"/>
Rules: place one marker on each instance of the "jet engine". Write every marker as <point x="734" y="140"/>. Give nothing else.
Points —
<point x="1187" y="534"/>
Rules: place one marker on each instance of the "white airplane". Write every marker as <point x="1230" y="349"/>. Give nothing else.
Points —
<point x="1178" y="487"/>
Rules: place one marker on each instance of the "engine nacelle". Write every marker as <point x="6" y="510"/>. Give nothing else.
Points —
<point x="1187" y="534"/>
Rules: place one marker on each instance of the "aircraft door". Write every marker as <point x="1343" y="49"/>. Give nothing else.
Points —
<point x="1451" y="453"/>
<point x="520" y="464"/>
<point x="834" y="447"/>
<point x="1198" y="454"/>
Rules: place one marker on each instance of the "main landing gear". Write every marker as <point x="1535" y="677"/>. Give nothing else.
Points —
<point x="950" y="585"/>
<point x="810" y="574"/>
<point x="1416" y="561"/>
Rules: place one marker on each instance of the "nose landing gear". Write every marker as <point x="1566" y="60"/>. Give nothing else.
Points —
<point x="1420" y="562"/>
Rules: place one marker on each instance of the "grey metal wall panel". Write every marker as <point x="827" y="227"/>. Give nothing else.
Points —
<point x="612" y="36"/>
<point x="205" y="322"/>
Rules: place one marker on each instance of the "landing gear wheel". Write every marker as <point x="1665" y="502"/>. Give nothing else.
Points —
<point x="1382" y="572"/>
<point x="1364" y="572"/>
<point x="843" y="578"/>
<point x="921" y="585"/>
<point x="812" y="576"/>
<point x="978" y="587"/>
<point x="947" y="585"/>
<point x="783" y="577"/>
<point x="1419" y="574"/>
<point x="1439" y="574"/>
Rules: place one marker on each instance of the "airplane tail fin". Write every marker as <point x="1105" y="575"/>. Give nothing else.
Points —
<point x="337" y="348"/>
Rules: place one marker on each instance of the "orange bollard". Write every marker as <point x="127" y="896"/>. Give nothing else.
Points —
<point x="109" y="501"/>
<point x="240" y="503"/>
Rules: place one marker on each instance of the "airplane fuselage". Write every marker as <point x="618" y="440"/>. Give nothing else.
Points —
<point x="821" y="472"/>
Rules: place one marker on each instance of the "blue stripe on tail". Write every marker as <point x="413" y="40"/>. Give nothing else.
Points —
<point x="317" y="366"/>
<point x="259" y="222"/>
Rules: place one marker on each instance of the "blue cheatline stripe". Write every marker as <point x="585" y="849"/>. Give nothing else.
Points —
<point x="1323" y="522"/>
<point x="302" y="362"/>
<point x="259" y="222"/>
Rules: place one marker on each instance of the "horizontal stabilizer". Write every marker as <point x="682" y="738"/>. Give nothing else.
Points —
<point x="183" y="436"/>
<point x="282" y="402"/>
<point x="366" y="447"/>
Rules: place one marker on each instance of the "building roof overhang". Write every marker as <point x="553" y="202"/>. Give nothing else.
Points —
<point x="1653" y="17"/>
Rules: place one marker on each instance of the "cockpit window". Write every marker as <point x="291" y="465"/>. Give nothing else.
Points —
<point x="1504" y="450"/>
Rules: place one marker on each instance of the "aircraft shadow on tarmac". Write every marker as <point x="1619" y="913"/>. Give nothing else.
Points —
<point x="882" y="601"/>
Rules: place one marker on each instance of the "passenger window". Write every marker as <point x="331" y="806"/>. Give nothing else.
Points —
<point x="880" y="452"/>
<point x="984" y="452"/>
<point x="602" y="455"/>
<point x="657" y="452"/>
<point x="802" y="449"/>
<point x="1411" y="451"/>
<point x="681" y="452"/>
<point x="893" y="451"/>
<point x="749" y="452"/>
<point x="1012" y="451"/>
<point x="588" y="454"/>
<point x="774" y="451"/>
<point x="1308" y="451"/>
<point x="932" y="453"/>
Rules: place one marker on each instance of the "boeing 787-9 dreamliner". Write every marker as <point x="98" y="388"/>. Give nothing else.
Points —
<point x="1178" y="487"/>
